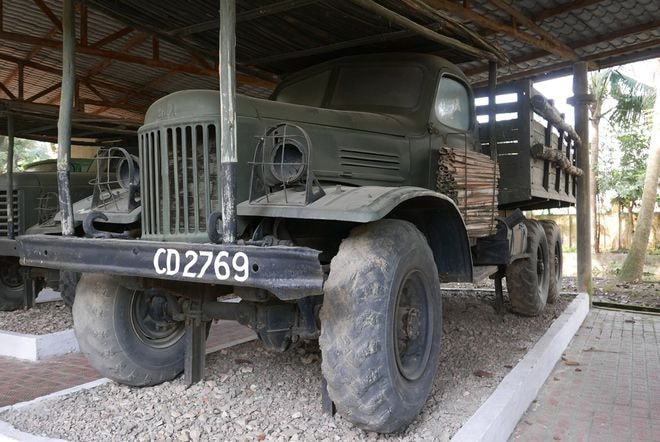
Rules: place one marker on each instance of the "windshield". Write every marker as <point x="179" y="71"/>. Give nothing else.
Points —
<point x="377" y="86"/>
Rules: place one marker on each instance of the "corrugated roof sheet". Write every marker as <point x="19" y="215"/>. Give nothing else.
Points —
<point x="602" y="32"/>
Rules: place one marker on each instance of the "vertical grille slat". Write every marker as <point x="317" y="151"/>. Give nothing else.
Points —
<point x="184" y="167"/>
<point x="195" y="189"/>
<point x="165" y="154"/>
<point x="180" y="185"/>
<point x="4" y="222"/>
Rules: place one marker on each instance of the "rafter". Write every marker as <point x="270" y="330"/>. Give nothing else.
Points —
<point x="593" y="58"/>
<point x="33" y="52"/>
<point x="49" y="13"/>
<point x="564" y="8"/>
<point x="134" y="59"/>
<point x="405" y="22"/>
<point x="7" y="92"/>
<point x="533" y="27"/>
<point x="113" y="37"/>
<point x="43" y="93"/>
<point x="632" y="30"/>
<point x="489" y="23"/>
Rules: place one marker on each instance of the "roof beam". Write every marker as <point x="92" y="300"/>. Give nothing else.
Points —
<point x="113" y="37"/>
<point x="7" y="92"/>
<point x="424" y="31"/>
<point x="273" y="8"/>
<point x="112" y="55"/>
<point x="533" y="27"/>
<point x="597" y="57"/>
<point x="50" y="14"/>
<point x="655" y="24"/>
<point x="101" y="83"/>
<point x="562" y="9"/>
<point x="497" y="26"/>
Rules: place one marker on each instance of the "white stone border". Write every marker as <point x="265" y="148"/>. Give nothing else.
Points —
<point x="37" y="347"/>
<point x="496" y="419"/>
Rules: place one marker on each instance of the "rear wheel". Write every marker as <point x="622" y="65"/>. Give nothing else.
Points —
<point x="553" y="236"/>
<point x="12" y="287"/>
<point x="527" y="279"/>
<point x="381" y="325"/>
<point x="127" y="335"/>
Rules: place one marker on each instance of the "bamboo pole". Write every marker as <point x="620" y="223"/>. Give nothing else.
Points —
<point x="64" y="122"/>
<point x="228" y="156"/>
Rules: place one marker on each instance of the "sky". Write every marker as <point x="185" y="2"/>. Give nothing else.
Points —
<point x="560" y="89"/>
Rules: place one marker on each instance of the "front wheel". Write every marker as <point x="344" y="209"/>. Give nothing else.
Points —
<point x="381" y="325"/>
<point x="12" y="286"/>
<point x="127" y="335"/>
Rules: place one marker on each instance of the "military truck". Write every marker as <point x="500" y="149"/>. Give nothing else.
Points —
<point x="35" y="200"/>
<point x="343" y="235"/>
<point x="107" y="188"/>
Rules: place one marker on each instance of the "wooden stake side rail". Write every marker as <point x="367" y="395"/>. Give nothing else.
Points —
<point x="471" y="180"/>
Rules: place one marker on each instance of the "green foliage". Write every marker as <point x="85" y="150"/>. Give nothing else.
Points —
<point x="622" y="166"/>
<point x="25" y="152"/>
<point x="626" y="178"/>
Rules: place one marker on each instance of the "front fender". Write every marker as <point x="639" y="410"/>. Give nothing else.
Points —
<point x="340" y="203"/>
<point x="434" y="214"/>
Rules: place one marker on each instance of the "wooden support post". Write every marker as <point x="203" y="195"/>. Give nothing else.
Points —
<point x="228" y="156"/>
<point x="84" y="35"/>
<point x="492" y="111"/>
<point x="21" y="82"/>
<point x="10" y="177"/>
<point x="580" y="101"/>
<point x="64" y="122"/>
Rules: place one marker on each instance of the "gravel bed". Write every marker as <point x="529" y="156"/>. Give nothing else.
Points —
<point x="250" y="393"/>
<point x="42" y="319"/>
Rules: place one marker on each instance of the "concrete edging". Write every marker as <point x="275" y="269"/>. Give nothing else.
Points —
<point x="37" y="347"/>
<point x="496" y="419"/>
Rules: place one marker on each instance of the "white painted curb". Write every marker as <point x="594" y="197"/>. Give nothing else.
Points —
<point x="37" y="347"/>
<point x="496" y="419"/>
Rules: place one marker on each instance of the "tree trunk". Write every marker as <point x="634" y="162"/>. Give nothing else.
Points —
<point x="634" y="264"/>
<point x="593" y="191"/>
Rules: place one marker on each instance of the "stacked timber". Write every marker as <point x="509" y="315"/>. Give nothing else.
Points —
<point x="470" y="179"/>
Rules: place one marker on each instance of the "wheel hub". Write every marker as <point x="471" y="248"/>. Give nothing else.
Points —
<point x="413" y="327"/>
<point x="10" y="273"/>
<point x="152" y="322"/>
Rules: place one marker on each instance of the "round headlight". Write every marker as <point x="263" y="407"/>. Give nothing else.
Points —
<point x="287" y="163"/>
<point x="128" y="173"/>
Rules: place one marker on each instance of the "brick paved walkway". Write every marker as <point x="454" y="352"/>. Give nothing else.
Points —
<point x="614" y="392"/>
<point x="25" y="380"/>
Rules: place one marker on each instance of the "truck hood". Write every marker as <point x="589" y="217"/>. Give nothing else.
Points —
<point x="191" y="105"/>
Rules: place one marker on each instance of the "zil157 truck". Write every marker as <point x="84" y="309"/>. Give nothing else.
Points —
<point x="343" y="236"/>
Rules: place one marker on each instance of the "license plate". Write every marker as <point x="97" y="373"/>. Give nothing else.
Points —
<point x="195" y="264"/>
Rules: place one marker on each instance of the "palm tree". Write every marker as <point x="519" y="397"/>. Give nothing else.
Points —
<point x="634" y="263"/>
<point x="631" y="99"/>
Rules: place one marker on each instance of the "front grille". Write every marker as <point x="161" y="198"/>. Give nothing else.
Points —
<point x="179" y="171"/>
<point x="3" y="213"/>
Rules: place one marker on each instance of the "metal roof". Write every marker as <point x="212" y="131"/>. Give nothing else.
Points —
<point x="132" y="52"/>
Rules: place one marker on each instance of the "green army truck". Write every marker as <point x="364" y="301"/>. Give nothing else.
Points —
<point x="343" y="234"/>
<point x="34" y="198"/>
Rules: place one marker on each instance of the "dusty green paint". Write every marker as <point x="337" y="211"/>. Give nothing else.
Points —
<point x="365" y="145"/>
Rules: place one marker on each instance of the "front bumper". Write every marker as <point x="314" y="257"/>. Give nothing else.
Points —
<point x="288" y="272"/>
<point x="8" y="247"/>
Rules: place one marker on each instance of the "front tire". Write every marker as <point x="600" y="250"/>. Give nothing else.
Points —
<point x="126" y="334"/>
<point x="528" y="279"/>
<point x="381" y="325"/>
<point x="12" y="286"/>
